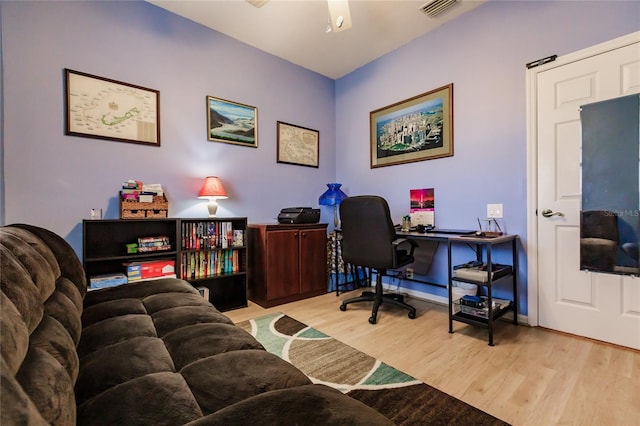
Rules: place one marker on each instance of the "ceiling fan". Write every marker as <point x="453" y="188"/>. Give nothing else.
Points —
<point x="339" y="13"/>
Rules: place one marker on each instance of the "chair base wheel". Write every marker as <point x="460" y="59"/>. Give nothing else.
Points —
<point x="412" y="315"/>
<point x="343" y="307"/>
<point x="372" y="320"/>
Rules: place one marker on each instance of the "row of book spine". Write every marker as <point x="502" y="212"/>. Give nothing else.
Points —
<point x="207" y="264"/>
<point x="210" y="234"/>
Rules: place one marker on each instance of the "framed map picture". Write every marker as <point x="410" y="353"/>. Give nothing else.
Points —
<point x="231" y="122"/>
<point x="297" y="145"/>
<point x="98" y="107"/>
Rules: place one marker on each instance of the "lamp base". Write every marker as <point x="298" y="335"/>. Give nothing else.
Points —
<point x="213" y="207"/>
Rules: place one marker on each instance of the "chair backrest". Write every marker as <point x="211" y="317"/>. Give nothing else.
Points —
<point x="599" y="224"/>
<point x="367" y="232"/>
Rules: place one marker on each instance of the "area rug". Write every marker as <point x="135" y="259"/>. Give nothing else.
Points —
<point x="400" y="397"/>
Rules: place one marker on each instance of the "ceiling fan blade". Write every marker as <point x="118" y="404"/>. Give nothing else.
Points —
<point x="340" y="14"/>
<point x="257" y="3"/>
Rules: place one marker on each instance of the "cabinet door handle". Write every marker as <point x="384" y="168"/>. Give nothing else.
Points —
<point x="304" y="234"/>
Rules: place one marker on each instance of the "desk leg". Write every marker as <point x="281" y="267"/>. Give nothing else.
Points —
<point x="490" y="294"/>
<point x="450" y="275"/>
<point x="514" y="250"/>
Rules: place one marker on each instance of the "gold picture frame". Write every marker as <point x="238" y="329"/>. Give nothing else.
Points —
<point x="101" y="108"/>
<point x="297" y="145"/>
<point x="416" y="129"/>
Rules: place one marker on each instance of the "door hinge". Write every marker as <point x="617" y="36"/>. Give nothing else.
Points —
<point x="542" y="61"/>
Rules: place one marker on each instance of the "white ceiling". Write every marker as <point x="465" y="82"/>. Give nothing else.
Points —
<point x="295" y="29"/>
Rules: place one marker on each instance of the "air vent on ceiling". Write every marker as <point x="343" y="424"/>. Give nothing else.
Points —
<point x="436" y="7"/>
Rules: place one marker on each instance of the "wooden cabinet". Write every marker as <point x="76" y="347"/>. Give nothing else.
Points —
<point x="287" y="262"/>
<point x="210" y="253"/>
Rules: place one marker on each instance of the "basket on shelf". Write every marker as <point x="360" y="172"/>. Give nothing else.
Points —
<point x="134" y="209"/>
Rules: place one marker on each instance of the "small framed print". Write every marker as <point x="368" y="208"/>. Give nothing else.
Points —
<point x="297" y="145"/>
<point x="231" y="122"/>
<point x="98" y="107"/>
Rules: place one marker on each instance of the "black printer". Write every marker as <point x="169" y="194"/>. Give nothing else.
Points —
<point x="299" y="215"/>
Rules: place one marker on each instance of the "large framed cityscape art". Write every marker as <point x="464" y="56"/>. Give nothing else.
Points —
<point x="232" y="122"/>
<point x="98" y="107"/>
<point x="416" y="129"/>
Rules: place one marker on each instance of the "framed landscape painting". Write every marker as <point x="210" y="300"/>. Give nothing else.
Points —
<point x="416" y="129"/>
<point x="98" y="107"/>
<point x="231" y="122"/>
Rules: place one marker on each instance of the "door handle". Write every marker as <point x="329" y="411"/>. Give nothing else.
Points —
<point x="549" y="213"/>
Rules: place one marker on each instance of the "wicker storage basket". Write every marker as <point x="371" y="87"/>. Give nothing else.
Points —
<point x="132" y="209"/>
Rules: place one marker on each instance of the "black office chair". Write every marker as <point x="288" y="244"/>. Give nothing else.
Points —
<point x="369" y="239"/>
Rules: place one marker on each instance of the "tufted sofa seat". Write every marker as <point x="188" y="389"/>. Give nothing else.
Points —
<point x="152" y="353"/>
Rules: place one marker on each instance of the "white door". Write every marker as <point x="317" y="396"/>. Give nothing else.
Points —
<point x="600" y="306"/>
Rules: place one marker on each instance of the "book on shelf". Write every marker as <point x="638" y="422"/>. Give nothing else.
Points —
<point x="209" y="263"/>
<point x="204" y="291"/>
<point x="107" y="280"/>
<point x="157" y="243"/>
<point x="210" y="234"/>
<point x="161" y="268"/>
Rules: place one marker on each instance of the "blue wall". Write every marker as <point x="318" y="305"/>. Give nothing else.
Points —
<point x="53" y="180"/>
<point x="483" y="53"/>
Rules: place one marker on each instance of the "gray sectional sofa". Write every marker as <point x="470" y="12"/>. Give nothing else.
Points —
<point x="153" y="353"/>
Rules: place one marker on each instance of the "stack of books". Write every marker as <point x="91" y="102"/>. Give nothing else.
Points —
<point x="159" y="243"/>
<point x="131" y="190"/>
<point x="153" y="269"/>
<point x="137" y="191"/>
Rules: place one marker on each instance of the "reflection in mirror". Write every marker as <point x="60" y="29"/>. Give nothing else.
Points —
<point x="610" y="217"/>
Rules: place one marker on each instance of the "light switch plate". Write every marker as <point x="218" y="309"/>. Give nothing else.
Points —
<point x="494" y="211"/>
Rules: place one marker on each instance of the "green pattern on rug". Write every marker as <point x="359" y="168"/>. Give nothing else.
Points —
<point x="322" y="358"/>
<point x="400" y="397"/>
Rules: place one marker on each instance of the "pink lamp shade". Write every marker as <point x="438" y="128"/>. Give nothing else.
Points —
<point x="212" y="189"/>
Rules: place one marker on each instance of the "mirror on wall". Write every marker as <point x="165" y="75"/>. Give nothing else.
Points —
<point x="610" y="212"/>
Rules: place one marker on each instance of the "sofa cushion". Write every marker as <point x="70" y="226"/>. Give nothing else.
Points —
<point x="48" y="386"/>
<point x="66" y="259"/>
<point x="113" y="330"/>
<point x="303" y="405"/>
<point x="172" y="319"/>
<point x="17" y="285"/>
<point x="39" y="298"/>
<point x="224" y="379"/>
<point x="138" y="290"/>
<point x="189" y="344"/>
<point x="111" y="308"/>
<point x="15" y="335"/>
<point x="153" y="399"/>
<point x="17" y="407"/>
<point x="105" y="368"/>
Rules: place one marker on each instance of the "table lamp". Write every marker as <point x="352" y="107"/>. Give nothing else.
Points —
<point x="332" y="197"/>
<point x="212" y="190"/>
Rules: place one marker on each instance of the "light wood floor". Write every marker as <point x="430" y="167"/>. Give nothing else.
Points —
<point x="531" y="376"/>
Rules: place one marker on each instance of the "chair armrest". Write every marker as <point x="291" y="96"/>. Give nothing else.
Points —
<point x="399" y="241"/>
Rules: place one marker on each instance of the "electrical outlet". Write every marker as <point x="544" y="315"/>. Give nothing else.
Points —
<point x="494" y="211"/>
